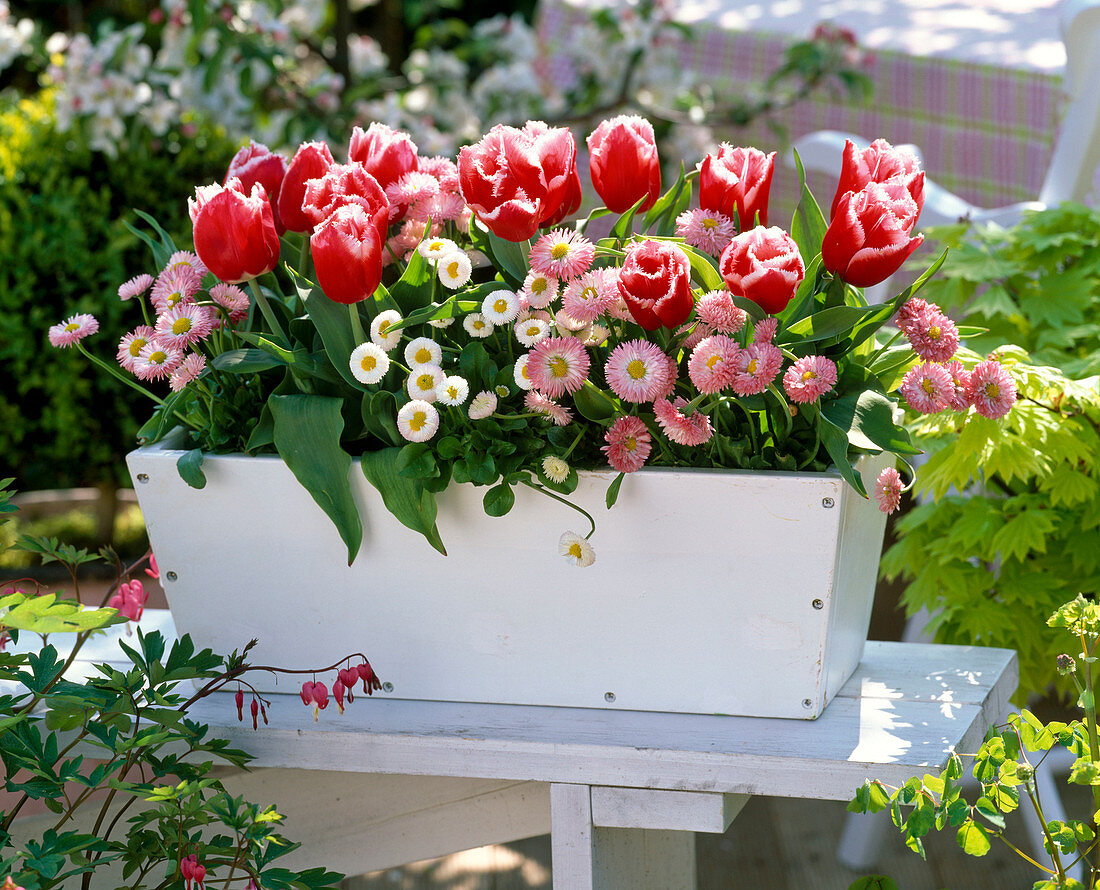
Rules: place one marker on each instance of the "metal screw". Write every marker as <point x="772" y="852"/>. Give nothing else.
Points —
<point x="171" y="576"/>
<point x="609" y="697"/>
<point x="142" y="477"/>
<point x="387" y="687"/>
<point x="819" y="604"/>
<point x="827" y="502"/>
<point x="807" y="703"/>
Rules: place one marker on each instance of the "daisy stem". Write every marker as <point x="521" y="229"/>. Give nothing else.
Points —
<point x="265" y="308"/>
<point x="568" y="503"/>
<point x="356" y="324"/>
<point x="883" y="348"/>
<point x="111" y="370"/>
<point x="145" y="313"/>
<point x="752" y="425"/>
<point x="576" y="441"/>
<point x="784" y="409"/>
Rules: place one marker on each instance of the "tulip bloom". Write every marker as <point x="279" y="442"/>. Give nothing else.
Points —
<point x="346" y="184"/>
<point x="347" y="254"/>
<point x="503" y="182"/>
<point x="655" y="282"/>
<point x="257" y="163"/>
<point x="557" y="153"/>
<point x="235" y="235"/>
<point x="736" y="182"/>
<point x="878" y="163"/>
<point x="311" y="161"/>
<point x="385" y="153"/>
<point x="623" y="162"/>
<point x="868" y="238"/>
<point x="763" y="265"/>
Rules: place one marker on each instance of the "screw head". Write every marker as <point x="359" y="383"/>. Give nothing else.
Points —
<point x="387" y="687"/>
<point x="807" y="703"/>
<point x="827" y="503"/>
<point x="142" y="477"/>
<point x="609" y="697"/>
<point x="171" y="576"/>
<point x="819" y="604"/>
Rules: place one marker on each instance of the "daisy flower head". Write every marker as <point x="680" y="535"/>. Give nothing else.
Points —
<point x="72" y="330"/>
<point x="888" y="489"/>
<point x="757" y="366"/>
<point x="555" y="469"/>
<point x="157" y="360"/>
<point x="717" y="309"/>
<point x="537" y="403"/>
<point x="764" y="330"/>
<point x="176" y="284"/>
<point x="933" y="336"/>
<point x="680" y="428"/>
<point x="594" y="335"/>
<point x="189" y="369"/>
<point x="412" y="187"/>
<point x="909" y="316"/>
<point x="589" y="295"/>
<point x="477" y="325"/>
<point x="519" y="373"/>
<point x="135" y="287"/>
<point x="432" y="249"/>
<point x="809" y="378"/>
<point x="558" y="365"/>
<point x="453" y="391"/>
<point x="531" y="331"/>
<point x="380" y="333"/>
<point x="961" y="377"/>
<point x="694" y="333"/>
<point x="502" y="391"/>
<point x="441" y="323"/>
<point x="928" y="388"/>
<point x="482" y="405"/>
<point x="188" y="258"/>
<point x="540" y="290"/>
<point x="232" y="299"/>
<point x="500" y="307"/>
<point x="713" y="363"/>
<point x="423" y="381"/>
<point x="708" y="230"/>
<point x="576" y="549"/>
<point x="418" y="420"/>
<point x="563" y="254"/>
<point x="423" y="351"/>
<point x="454" y="269"/>
<point x="991" y="389"/>
<point x="185" y="324"/>
<point x="129" y="347"/>
<point x="628" y="444"/>
<point x="566" y="324"/>
<point x="369" y="363"/>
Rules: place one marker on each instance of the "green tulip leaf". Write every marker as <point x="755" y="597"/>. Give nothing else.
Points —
<point x="404" y="496"/>
<point x="808" y="226"/>
<point x="189" y="466"/>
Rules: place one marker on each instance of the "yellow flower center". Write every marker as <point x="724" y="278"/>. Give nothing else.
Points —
<point x="636" y="369"/>
<point x="928" y="386"/>
<point x="435" y="246"/>
<point x="181" y="326"/>
<point x="709" y="223"/>
<point x="369" y="363"/>
<point x="136" y="345"/>
<point x="172" y="299"/>
<point x="559" y="251"/>
<point x="522" y="373"/>
<point x="808" y="375"/>
<point x="992" y="390"/>
<point x="575" y="550"/>
<point x="478" y="324"/>
<point x="559" y="367"/>
<point x="418" y="421"/>
<point x="589" y="293"/>
<point x="539" y="285"/>
<point x="752" y="367"/>
<point x="452" y="269"/>
<point x="383" y="327"/>
<point x="423" y="355"/>
<point x="425" y="382"/>
<point x="934" y="332"/>
<point x="534" y="330"/>
<point x="71" y="326"/>
<point x="713" y="360"/>
<point x="452" y="392"/>
<point x="631" y="443"/>
<point x="158" y="358"/>
<point x="500" y="306"/>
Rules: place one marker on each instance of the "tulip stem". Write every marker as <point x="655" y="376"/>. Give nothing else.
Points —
<point x="268" y="312"/>
<point x="356" y="323"/>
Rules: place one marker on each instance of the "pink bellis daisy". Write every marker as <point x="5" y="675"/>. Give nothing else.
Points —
<point x="928" y="388"/>
<point x="637" y="371"/>
<point x="185" y="325"/>
<point x="130" y="346"/>
<point x="757" y="366"/>
<point x="590" y="295"/>
<point x="628" y="444"/>
<point x="176" y="284"/>
<point x="540" y="290"/>
<point x="809" y="378"/>
<point x="135" y="287"/>
<point x="189" y="369"/>
<point x="991" y="389"/>
<point x="708" y="230"/>
<point x="764" y="330"/>
<point x="72" y="330"/>
<point x="558" y="365"/>
<point x="961" y="377"/>
<point x="189" y="258"/>
<point x="713" y="363"/>
<point x="157" y="360"/>
<point x="888" y="490"/>
<point x="563" y="254"/>
<point x="537" y="403"/>
<point x="683" y="430"/>
<point x="910" y="315"/>
<point x="932" y="335"/>
<point x="716" y="309"/>
<point x="232" y="299"/>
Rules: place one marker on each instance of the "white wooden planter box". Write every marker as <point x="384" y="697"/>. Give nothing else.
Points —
<point x="719" y="592"/>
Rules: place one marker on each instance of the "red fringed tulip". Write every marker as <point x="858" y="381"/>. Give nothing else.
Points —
<point x="347" y="254"/>
<point x="557" y="153"/>
<point x="311" y="161"/>
<point x="736" y="182"/>
<point x="257" y="163"/>
<point x="346" y="184"/>
<point x="763" y="265"/>
<point x="502" y="181"/>
<point x="878" y="163"/>
<point x="385" y="153"/>
<point x="655" y="282"/>
<point x="868" y="238"/>
<point x="235" y="235"/>
<point x="624" y="164"/>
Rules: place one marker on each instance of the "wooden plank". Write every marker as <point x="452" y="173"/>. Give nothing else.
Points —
<point x="636" y="859"/>
<point x="571" y="837"/>
<point x="669" y="810"/>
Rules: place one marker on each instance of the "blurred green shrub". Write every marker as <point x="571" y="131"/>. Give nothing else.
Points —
<point x="65" y="249"/>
